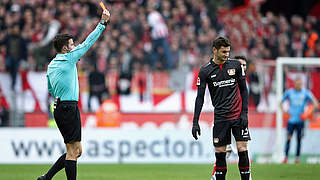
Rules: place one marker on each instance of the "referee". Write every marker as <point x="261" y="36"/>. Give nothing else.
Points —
<point x="64" y="86"/>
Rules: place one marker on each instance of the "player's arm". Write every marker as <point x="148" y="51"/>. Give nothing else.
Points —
<point x="82" y="48"/>
<point x="285" y="97"/>
<point x="281" y="106"/>
<point x="244" y="95"/>
<point x="201" y="83"/>
<point x="315" y="104"/>
<point x="198" y="104"/>
<point x="313" y="100"/>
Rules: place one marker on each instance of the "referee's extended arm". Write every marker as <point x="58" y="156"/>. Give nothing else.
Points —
<point x="82" y="48"/>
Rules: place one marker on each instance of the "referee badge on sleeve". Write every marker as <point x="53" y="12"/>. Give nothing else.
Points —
<point x="198" y="81"/>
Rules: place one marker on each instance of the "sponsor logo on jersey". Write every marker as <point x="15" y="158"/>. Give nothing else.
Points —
<point x="231" y="72"/>
<point x="198" y="81"/>
<point x="224" y="83"/>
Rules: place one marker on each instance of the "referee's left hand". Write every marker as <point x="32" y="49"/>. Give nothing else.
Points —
<point x="105" y="15"/>
<point x="196" y="131"/>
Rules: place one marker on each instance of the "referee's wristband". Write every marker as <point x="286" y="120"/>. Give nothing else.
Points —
<point x="103" y="22"/>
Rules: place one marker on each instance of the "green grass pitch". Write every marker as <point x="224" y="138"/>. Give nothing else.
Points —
<point x="163" y="172"/>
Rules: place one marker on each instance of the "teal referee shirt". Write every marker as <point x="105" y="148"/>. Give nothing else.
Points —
<point x="62" y="71"/>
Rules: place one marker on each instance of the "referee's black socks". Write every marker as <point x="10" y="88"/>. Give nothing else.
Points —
<point x="71" y="169"/>
<point x="244" y="165"/>
<point x="220" y="168"/>
<point x="58" y="165"/>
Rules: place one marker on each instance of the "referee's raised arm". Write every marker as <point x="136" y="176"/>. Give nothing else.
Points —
<point x="76" y="53"/>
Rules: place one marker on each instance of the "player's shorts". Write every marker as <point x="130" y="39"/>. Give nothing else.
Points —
<point x="67" y="117"/>
<point x="222" y="132"/>
<point x="298" y="127"/>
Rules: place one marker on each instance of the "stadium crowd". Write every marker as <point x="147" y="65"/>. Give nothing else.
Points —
<point x="147" y="34"/>
<point x="191" y="29"/>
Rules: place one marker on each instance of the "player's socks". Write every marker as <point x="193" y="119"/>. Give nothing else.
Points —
<point x="220" y="168"/>
<point x="58" y="165"/>
<point x="244" y="165"/>
<point x="71" y="169"/>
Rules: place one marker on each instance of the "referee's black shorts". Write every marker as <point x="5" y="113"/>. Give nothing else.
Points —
<point x="67" y="117"/>
<point x="222" y="132"/>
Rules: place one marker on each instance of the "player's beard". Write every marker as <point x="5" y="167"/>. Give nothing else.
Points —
<point x="222" y="58"/>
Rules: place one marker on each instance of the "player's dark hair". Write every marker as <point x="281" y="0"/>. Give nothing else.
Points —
<point x="221" y="41"/>
<point x="60" y="40"/>
<point x="241" y="57"/>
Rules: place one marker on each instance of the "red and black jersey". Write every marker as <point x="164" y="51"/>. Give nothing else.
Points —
<point x="223" y="83"/>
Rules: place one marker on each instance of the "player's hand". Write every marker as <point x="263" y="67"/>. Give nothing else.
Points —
<point x="244" y="120"/>
<point x="105" y="15"/>
<point x="196" y="130"/>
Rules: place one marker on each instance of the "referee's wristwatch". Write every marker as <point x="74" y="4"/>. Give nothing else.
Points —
<point x="103" y="22"/>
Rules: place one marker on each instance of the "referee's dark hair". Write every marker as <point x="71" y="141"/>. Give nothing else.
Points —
<point x="241" y="57"/>
<point x="221" y="41"/>
<point x="60" y="40"/>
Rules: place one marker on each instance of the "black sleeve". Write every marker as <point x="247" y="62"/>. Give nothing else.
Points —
<point x="243" y="88"/>
<point x="201" y="83"/>
<point x="244" y="95"/>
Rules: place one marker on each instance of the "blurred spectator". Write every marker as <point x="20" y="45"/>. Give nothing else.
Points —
<point x="159" y="34"/>
<point x="254" y="84"/>
<point x="16" y="51"/>
<point x="163" y="34"/>
<point x="137" y="59"/>
<point x="124" y="83"/>
<point x="42" y="46"/>
<point x="180" y="36"/>
<point x="175" y="51"/>
<point x="97" y="85"/>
